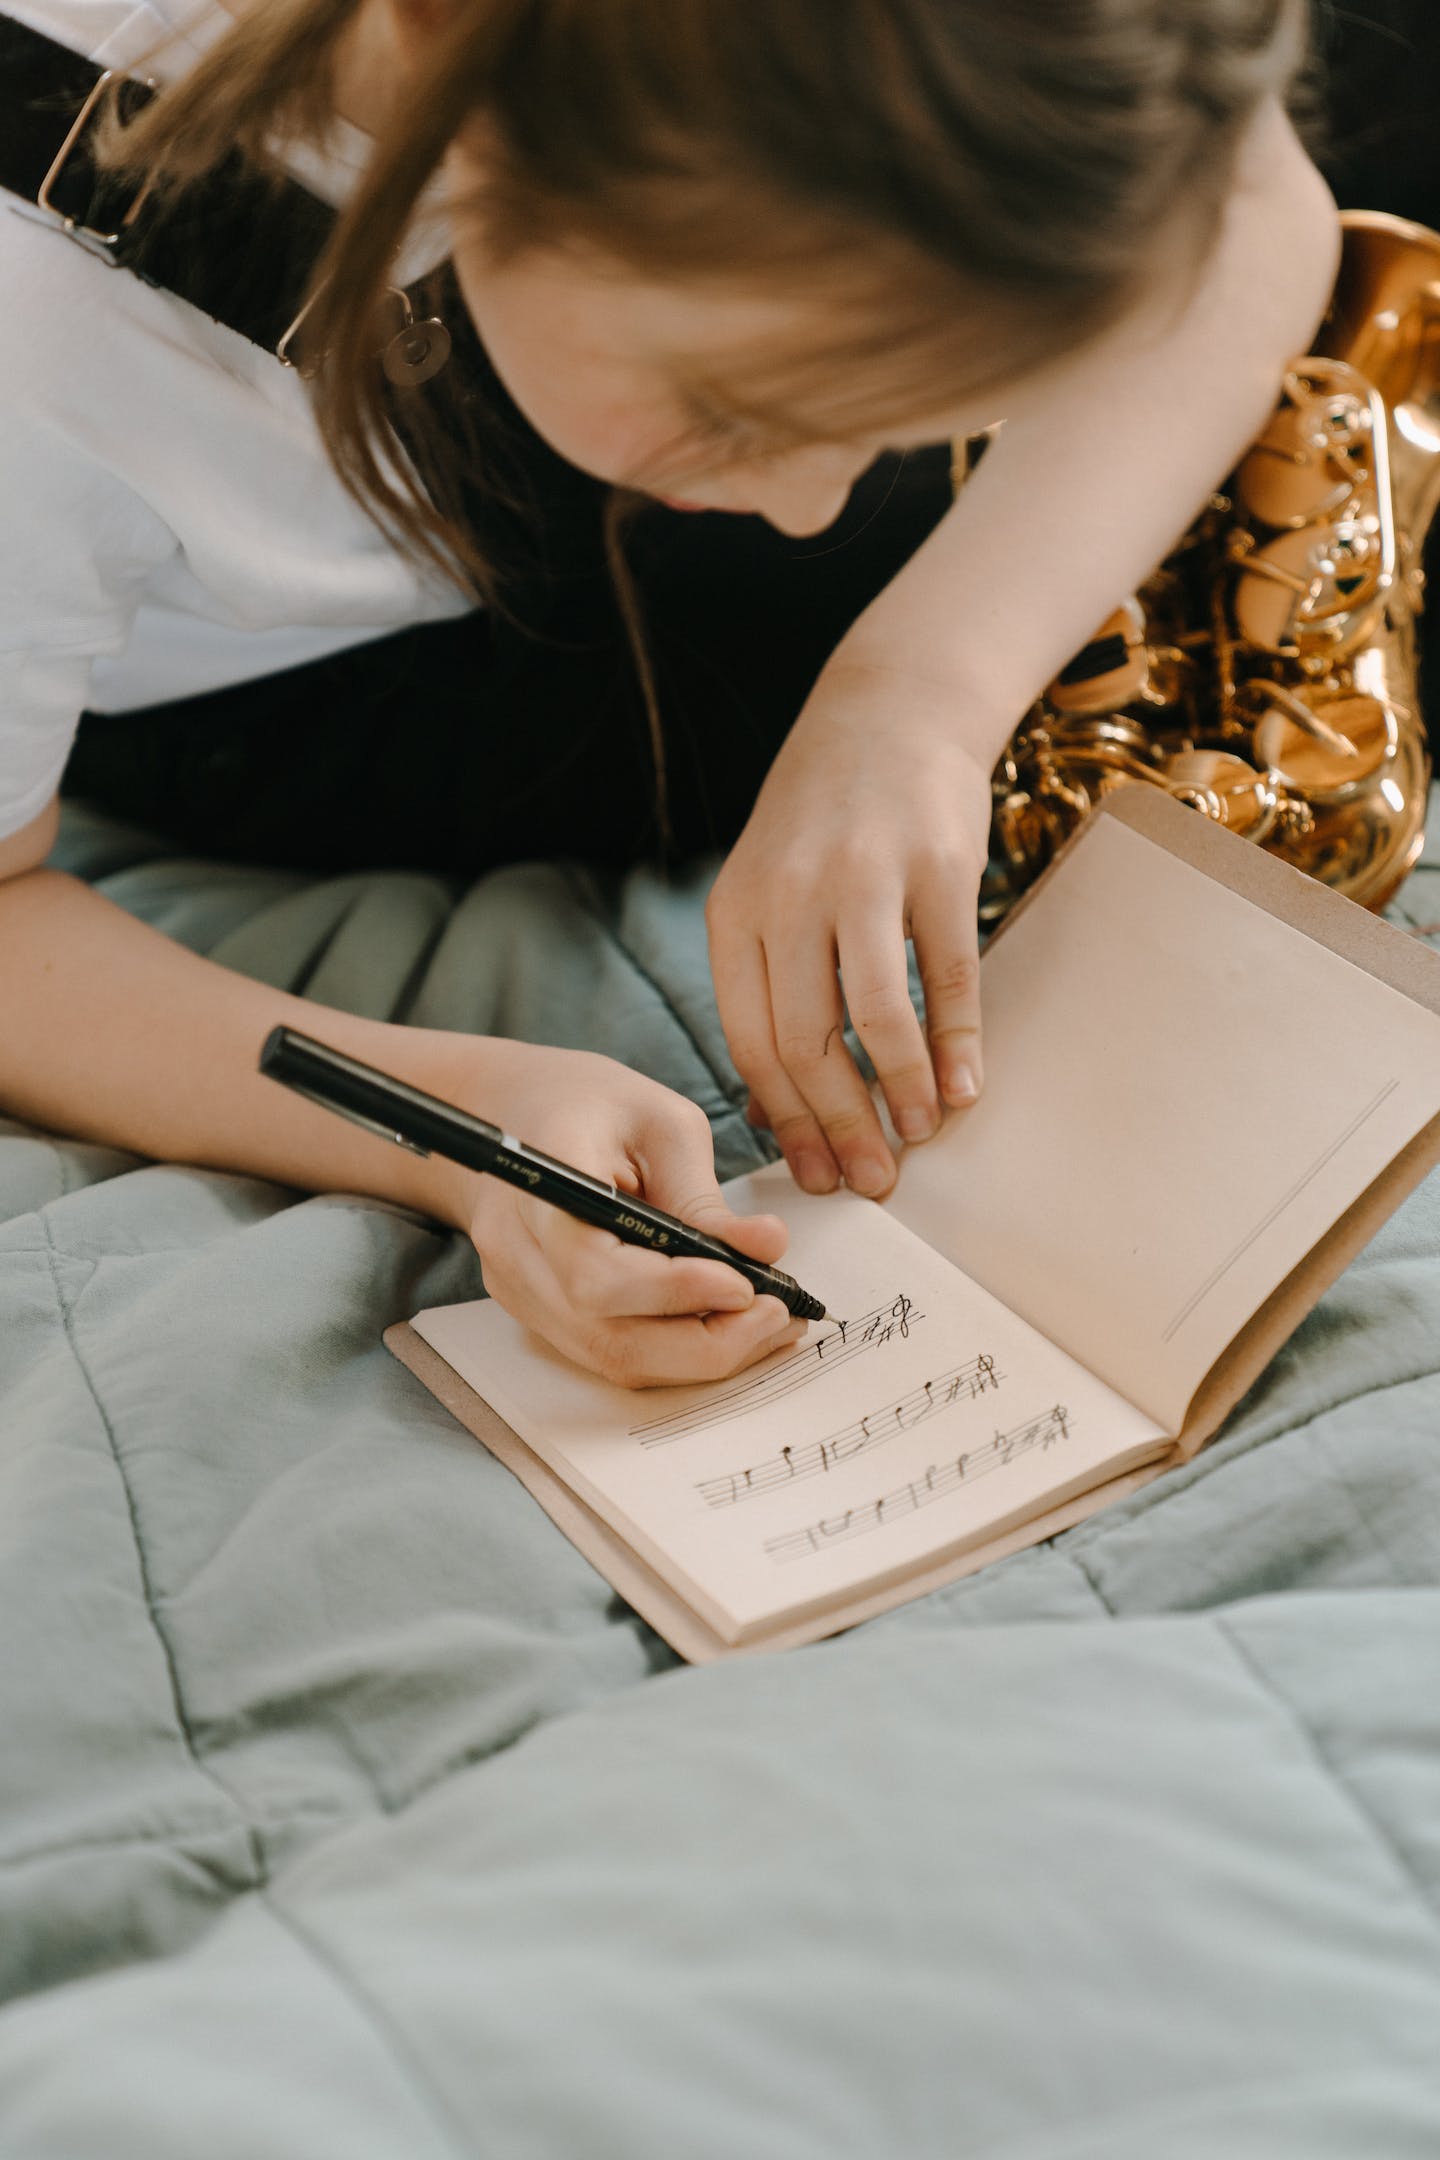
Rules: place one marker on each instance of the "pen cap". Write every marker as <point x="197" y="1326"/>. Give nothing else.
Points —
<point x="386" y="1106"/>
<point x="298" y="1061"/>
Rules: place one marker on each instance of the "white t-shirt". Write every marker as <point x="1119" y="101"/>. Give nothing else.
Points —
<point x="169" y="521"/>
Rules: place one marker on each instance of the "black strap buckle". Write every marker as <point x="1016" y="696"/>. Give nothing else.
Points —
<point x="92" y="238"/>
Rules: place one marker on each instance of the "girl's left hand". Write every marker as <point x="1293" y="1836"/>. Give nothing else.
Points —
<point x="872" y="827"/>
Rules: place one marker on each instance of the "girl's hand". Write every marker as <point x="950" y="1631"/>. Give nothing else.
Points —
<point x="872" y="827"/>
<point x="631" y="1315"/>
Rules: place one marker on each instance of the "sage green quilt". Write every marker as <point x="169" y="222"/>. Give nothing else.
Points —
<point x="344" y="1811"/>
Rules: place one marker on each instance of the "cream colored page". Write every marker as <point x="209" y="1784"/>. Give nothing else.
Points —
<point x="1182" y="1095"/>
<point x="924" y="1420"/>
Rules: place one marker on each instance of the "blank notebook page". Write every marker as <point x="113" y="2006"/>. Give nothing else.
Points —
<point x="1182" y="1095"/>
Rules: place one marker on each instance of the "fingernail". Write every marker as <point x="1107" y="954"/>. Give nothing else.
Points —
<point x="960" y="1087"/>
<point x="917" y="1122"/>
<point x="814" y="1173"/>
<point x="868" y="1174"/>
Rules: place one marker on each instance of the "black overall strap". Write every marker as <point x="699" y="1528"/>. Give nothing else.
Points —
<point x="239" y="244"/>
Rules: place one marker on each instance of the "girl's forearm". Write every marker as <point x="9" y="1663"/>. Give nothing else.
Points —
<point x="1105" y="463"/>
<point x="114" y="1033"/>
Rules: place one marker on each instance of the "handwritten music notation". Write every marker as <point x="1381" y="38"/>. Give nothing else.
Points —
<point x="933" y="1484"/>
<point x="842" y="1341"/>
<point x="962" y="1384"/>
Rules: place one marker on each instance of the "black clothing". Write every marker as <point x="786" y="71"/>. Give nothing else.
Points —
<point x="521" y="731"/>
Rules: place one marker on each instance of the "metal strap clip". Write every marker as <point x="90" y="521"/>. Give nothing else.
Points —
<point x="300" y="364"/>
<point x="89" y="237"/>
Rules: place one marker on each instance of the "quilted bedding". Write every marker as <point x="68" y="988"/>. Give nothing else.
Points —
<point x="345" y="1811"/>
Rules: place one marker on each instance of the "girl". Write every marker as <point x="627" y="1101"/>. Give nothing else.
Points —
<point x="744" y="262"/>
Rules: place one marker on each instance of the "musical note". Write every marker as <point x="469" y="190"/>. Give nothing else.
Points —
<point x="841" y="1343"/>
<point x="975" y="1377"/>
<point x="880" y="1326"/>
<point x="933" y="1484"/>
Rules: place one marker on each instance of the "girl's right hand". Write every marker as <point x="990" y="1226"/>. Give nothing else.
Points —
<point x="628" y="1314"/>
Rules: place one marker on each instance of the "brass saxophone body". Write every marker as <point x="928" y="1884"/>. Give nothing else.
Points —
<point x="1267" y="673"/>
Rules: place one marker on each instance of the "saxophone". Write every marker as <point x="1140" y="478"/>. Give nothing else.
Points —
<point x="1266" y="674"/>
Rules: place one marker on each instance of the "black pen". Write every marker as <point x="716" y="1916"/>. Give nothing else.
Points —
<point x="427" y="1126"/>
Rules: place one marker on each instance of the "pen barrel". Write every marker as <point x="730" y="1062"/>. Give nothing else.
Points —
<point x="636" y="1224"/>
<point x="416" y="1120"/>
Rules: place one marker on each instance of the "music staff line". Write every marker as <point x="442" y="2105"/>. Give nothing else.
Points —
<point x="934" y="1483"/>
<point x="841" y="1343"/>
<point x="962" y="1384"/>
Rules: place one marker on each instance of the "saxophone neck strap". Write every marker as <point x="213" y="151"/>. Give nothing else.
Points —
<point x="239" y="243"/>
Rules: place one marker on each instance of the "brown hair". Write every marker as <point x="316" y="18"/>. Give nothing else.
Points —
<point x="921" y="165"/>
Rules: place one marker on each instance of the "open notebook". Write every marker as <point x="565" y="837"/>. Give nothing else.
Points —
<point x="1208" y="1082"/>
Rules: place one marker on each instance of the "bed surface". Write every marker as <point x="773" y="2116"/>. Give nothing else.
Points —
<point x="345" y="1811"/>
